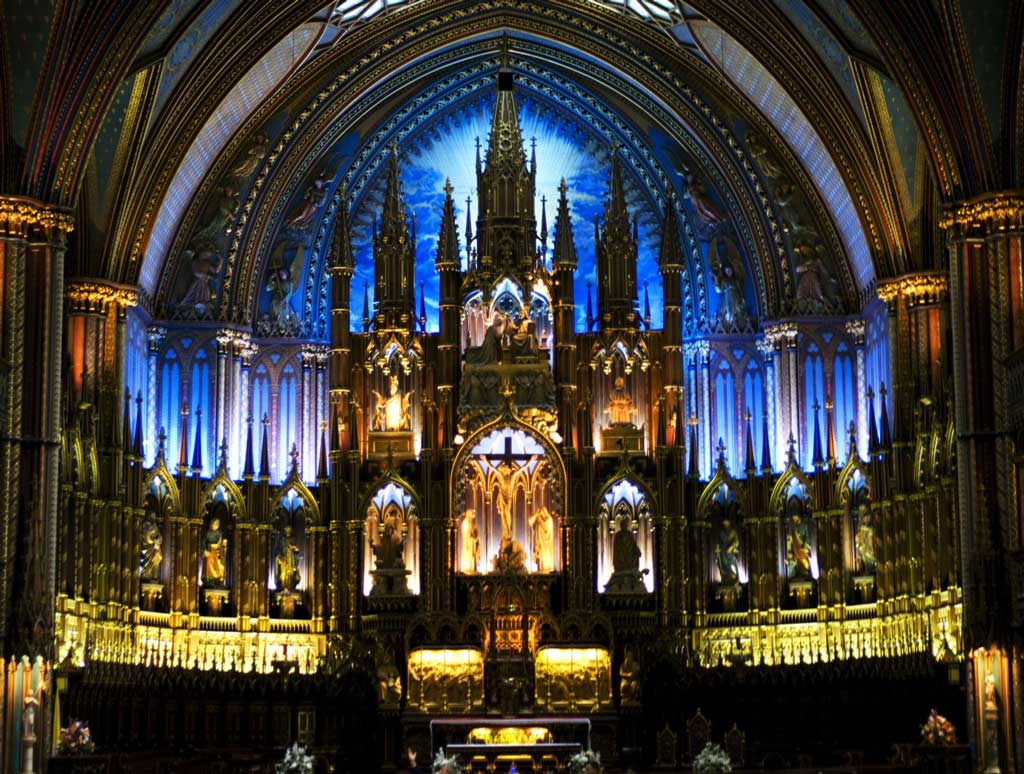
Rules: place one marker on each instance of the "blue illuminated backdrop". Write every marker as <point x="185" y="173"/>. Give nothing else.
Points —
<point x="565" y="147"/>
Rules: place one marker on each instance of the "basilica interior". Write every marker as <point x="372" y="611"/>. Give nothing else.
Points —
<point x="515" y="378"/>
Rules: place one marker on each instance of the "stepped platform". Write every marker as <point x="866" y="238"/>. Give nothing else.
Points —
<point x="495" y="744"/>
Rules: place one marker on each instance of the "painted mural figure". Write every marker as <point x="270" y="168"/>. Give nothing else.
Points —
<point x="203" y="268"/>
<point x="620" y="406"/>
<point x="286" y="568"/>
<point x="707" y="212"/>
<point x="864" y="540"/>
<point x="392" y="413"/>
<point x="151" y="553"/>
<point x="311" y="201"/>
<point x="214" y="556"/>
<point x="798" y="548"/>
<point x="282" y="281"/>
<point x="727" y="552"/>
<point x="543" y="527"/>
<point x="470" y="534"/>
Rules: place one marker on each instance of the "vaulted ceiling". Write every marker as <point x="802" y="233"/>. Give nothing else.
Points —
<point x="193" y="130"/>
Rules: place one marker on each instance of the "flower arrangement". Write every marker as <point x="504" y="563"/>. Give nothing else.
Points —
<point x="585" y="762"/>
<point x="295" y="761"/>
<point x="937" y="731"/>
<point x="443" y="765"/>
<point x="712" y="760"/>
<point x="75" y="739"/>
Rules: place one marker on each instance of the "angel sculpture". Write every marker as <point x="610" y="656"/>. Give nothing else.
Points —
<point x="392" y="413"/>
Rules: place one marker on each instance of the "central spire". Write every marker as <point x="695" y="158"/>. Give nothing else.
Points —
<point x="506" y="226"/>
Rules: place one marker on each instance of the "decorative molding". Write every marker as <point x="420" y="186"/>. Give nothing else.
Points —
<point x="17" y="212"/>
<point x="93" y="296"/>
<point x="992" y="212"/>
<point x="918" y="289"/>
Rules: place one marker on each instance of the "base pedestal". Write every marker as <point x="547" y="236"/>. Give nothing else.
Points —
<point x="864" y="586"/>
<point x="216" y="601"/>
<point x="802" y="592"/>
<point x="397" y="444"/>
<point x="152" y="596"/>
<point x="621" y="438"/>
<point x="287" y="603"/>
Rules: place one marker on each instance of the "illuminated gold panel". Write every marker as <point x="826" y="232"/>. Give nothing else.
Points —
<point x="509" y="735"/>
<point x="573" y="679"/>
<point x="446" y="680"/>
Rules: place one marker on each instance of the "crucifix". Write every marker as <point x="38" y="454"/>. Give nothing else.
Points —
<point x="507" y="473"/>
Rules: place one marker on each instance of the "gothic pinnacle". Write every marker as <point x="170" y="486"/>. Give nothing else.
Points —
<point x="565" y="246"/>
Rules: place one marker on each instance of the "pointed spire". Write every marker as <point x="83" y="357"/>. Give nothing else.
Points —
<point x="126" y="424"/>
<point x="791" y="450"/>
<point x="137" y="444"/>
<point x="342" y="256"/>
<point x="183" y="449"/>
<point x="294" y="468"/>
<point x="830" y="434"/>
<point x="448" y="238"/>
<point x="265" y="451"/>
<point x="161" y="446"/>
<point x="886" y="439"/>
<point x="366" y="306"/>
<point x="751" y="459"/>
<point x="671" y="251"/>
<point x="469" y="220"/>
<point x="393" y="216"/>
<point x="423" y="309"/>
<point x="544" y="229"/>
<point x="647" y="307"/>
<point x="533" y="155"/>
<point x="590" y="307"/>
<point x="662" y="421"/>
<point x="505" y="144"/>
<point x="565" y="245"/>
<point x="720" y="454"/>
<point x="694" y="465"/>
<point x="222" y="462"/>
<point x="353" y="425"/>
<point x="851" y="447"/>
<point x="818" y="460"/>
<point x="321" y="466"/>
<point x="479" y="166"/>
<point x="766" y="454"/>
<point x="197" y="451"/>
<point x="248" y="468"/>
<point x="872" y="424"/>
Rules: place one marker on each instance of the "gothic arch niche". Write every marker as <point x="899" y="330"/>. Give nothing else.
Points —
<point x="799" y="540"/>
<point x="623" y="501"/>
<point x="725" y="549"/>
<point x="512" y="312"/>
<point x="160" y="503"/>
<point x="290" y="564"/>
<point x="217" y="545"/>
<point x="391" y="544"/>
<point x="507" y="480"/>
<point x="860" y="532"/>
<point x="620" y="399"/>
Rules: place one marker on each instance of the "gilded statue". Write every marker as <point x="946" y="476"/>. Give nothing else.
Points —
<point x="620" y="406"/>
<point x="151" y="555"/>
<point x="392" y="413"/>
<point x="286" y="568"/>
<point x="470" y="534"/>
<point x="214" y="556"/>
<point x="798" y="548"/>
<point x="627" y="577"/>
<point x="522" y="339"/>
<point x="864" y="540"/>
<point x="507" y="476"/>
<point x="542" y="527"/>
<point x="727" y="552"/>
<point x="387" y="551"/>
<point x="629" y="679"/>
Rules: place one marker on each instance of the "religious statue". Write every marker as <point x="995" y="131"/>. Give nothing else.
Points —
<point x="506" y="476"/>
<point x="629" y="679"/>
<point x="864" y="540"/>
<point x="522" y="339"/>
<point x="392" y="413"/>
<point x="542" y="527"/>
<point x="727" y="553"/>
<point x="490" y="350"/>
<point x="282" y="282"/>
<point x="470" y="533"/>
<point x="727" y="277"/>
<point x="203" y="267"/>
<point x="389" y="682"/>
<point x="214" y="556"/>
<point x="620" y="406"/>
<point x="315" y="194"/>
<point x="627" y="577"/>
<point x="286" y="569"/>
<point x="251" y="157"/>
<point x="222" y="210"/>
<point x="151" y="554"/>
<point x="798" y="548"/>
<point x="387" y="551"/>
<point x="816" y="283"/>
<point x="761" y="155"/>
